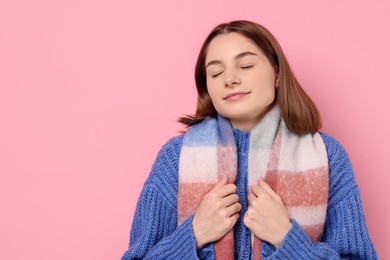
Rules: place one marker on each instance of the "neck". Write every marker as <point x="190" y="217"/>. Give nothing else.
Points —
<point x="247" y="124"/>
<point x="243" y="126"/>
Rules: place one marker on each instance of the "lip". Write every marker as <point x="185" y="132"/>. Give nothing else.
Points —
<point x="236" y="95"/>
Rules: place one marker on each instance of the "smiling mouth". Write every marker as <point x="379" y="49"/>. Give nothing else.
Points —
<point x="236" y="95"/>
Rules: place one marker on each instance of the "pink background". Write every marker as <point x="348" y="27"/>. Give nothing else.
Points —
<point x="90" y="90"/>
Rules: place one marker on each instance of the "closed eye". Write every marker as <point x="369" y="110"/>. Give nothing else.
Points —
<point x="246" y="67"/>
<point x="216" y="74"/>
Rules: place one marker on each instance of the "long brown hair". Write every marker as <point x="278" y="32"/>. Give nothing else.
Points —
<point x="298" y="111"/>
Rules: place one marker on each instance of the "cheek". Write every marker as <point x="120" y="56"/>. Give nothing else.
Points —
<point x="272" y="91"/>
<point x="266" y="85"/>
<point x="271" y="94"/>
<point x="266" y="94"/>
<point x="212" y="91"/>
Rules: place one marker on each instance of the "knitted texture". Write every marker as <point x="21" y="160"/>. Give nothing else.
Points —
<point x="155" y="233"/>
<point x="296" y="167"/>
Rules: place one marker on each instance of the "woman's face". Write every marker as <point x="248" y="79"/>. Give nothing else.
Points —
<point x="240" y="80"/>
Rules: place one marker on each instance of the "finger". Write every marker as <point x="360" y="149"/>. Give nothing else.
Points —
<point x="232" y="220"/>
<point x="233" y="209"/>
<point x="235" y="217"/>
<point x="222" y="182"/>
<point x="230" y="200"/>
<point x="257" y="190"/>
<point x="264" y="185"/>
<point x="226" y="190"/>
<point x="251" y="198"/>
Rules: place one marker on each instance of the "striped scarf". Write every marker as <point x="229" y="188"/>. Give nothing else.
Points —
<point x="296" y="168"/>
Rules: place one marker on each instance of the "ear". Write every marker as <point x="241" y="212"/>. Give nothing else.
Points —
<point x="277" y="82"/>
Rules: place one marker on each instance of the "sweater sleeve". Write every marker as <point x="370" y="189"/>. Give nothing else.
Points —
<point x="154" y="232"/>
<point x="345" y="235"/>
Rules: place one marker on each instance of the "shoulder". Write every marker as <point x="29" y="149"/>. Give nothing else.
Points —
<point x="164" y="173"/>
<point x="168" y="157"/>
<point x="341" y="176"/>
<point x="172" y="147"/>
<point x="335" y="150"/>
<point x="333" y="146"/>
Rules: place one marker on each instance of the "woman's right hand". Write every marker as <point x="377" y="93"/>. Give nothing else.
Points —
<point x="217" y="213"/>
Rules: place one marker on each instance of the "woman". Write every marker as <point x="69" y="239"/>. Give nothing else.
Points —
<point x="252" y="178"/>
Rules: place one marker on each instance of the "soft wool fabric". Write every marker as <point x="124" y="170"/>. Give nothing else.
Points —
<point x="296" y="167"/>
<point x="156" y="235"/>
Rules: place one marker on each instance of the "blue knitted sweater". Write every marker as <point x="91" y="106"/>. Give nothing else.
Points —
<point x="155" y="234"/>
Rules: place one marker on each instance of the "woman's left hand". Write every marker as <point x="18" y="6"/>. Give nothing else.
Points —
<point x="267" y="217"/>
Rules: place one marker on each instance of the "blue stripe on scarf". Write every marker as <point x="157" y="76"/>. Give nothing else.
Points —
<point x="208" y="133"/>
<point x="203" y="134"/>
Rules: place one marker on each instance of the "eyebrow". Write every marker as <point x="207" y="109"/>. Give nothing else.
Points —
<point x="238" y="56"/>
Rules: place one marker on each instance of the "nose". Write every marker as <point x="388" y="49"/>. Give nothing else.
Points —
<point x="231" y="79"/>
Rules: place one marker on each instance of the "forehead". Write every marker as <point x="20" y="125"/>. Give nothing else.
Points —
<point x="228" y="45"/>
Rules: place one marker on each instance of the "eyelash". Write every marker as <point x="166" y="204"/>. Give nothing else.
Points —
<point x="246" y="67"/>
<point x="216" y="75"/>
<point x="242" y="67"/>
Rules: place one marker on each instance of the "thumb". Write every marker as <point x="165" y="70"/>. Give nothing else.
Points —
<point x="269" y="190"/>
<point x="222" y="182"/>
